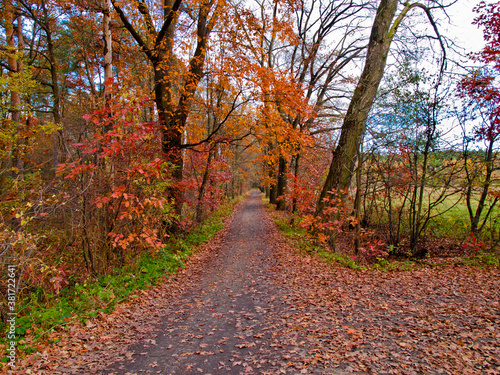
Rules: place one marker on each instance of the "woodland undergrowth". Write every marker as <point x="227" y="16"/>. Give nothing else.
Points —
<point x="39" y="314"/>
<point x="301" y="238"/>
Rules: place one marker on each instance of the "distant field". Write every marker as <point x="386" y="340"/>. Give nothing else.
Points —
<point x="451" y="217"/>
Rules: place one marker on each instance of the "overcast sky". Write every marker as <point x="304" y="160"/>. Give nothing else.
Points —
<point x="467" y="35"/>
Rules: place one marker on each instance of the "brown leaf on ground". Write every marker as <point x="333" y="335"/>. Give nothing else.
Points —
<point x="255" y="305"/>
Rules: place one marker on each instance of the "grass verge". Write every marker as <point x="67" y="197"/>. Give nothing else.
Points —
<point x="299" y="238"/>
<point x="482" y="259"/>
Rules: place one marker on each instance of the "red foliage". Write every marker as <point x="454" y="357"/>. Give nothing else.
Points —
<point x="337" y="217"/>
<point x="474" y="244"/>
<point x="481" y="86"/>
<point x="122" y="178"/>
<point x="489" y="19"/>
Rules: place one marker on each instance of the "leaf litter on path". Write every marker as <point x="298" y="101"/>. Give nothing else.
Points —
<point x="248" y="303"/>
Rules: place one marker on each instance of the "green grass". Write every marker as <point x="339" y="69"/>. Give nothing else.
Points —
<point x="301" y="240"/>
<point x="449" y="218"/>
<point x="483" y="259"/>
<point x="393" y="265"/>
<point x="83" y="301"/>
<point x="453" y="217"/>
<point x="452" y="222"/>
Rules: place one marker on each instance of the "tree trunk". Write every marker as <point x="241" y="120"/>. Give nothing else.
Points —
<point x="273" y="191"/>
<point x="382" y="33"/>
<point x="296" y="176"/>
<point x="176" y="120"/>
<point x="420" y="186"/>
<point x="172" y="117"/>
<point x="344" y="156"/>
<point x="57" y="137"/>
<point x="14" y="67"/>
<point x="475" y="216"/>
<point x="108" y="50"/>
<point x="281" y="184"/>
<point x="201" y="191"/>
<point x="357" y="204"/>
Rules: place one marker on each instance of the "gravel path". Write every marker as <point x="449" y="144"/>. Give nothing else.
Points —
<point x="226" y="323"/>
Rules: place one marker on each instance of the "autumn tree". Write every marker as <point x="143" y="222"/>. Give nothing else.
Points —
<point x="481" y="88"/>
<point x="267" y="28"/>
<point x="174" y="88"/>
<point x="385" y="26"/>
<point x="45" y="16"/>
<point x="480" y="162"/>
<point x="318" y="68"/>
<point x="220" y="122"/>
<point x="14" y="65"/>
<point x="18" y="127"/>
<point x="303" y="50"/>
<point x="405" y="128"/>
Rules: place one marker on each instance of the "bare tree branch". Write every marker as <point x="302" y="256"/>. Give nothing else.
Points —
<point x="133" y="32"/>
<point x="143" y="8"/>
<point x="168" y="21"/>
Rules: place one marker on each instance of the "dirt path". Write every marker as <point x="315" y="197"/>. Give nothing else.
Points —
<point x="226" y="322"/>
<point x="248" y="303"/>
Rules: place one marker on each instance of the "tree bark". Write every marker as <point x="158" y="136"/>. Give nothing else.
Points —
<point x="57" y="137"/>
<point x="475" y="215"/>
<point x="108" y="49"/>
<point x="172" y="116"/>
<point x="296" y="176"/>
<point x="14" y="67"/>
<point x="201" y="191"/>
<point x="281" y="184"/>
<point x="273" y="191"/>
<point x="344" y="156"/>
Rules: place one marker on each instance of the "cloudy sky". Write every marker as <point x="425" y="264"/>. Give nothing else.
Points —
<point x="467" y="35"/>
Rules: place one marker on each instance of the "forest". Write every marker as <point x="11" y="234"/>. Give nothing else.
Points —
<point x="130" y="130"/>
